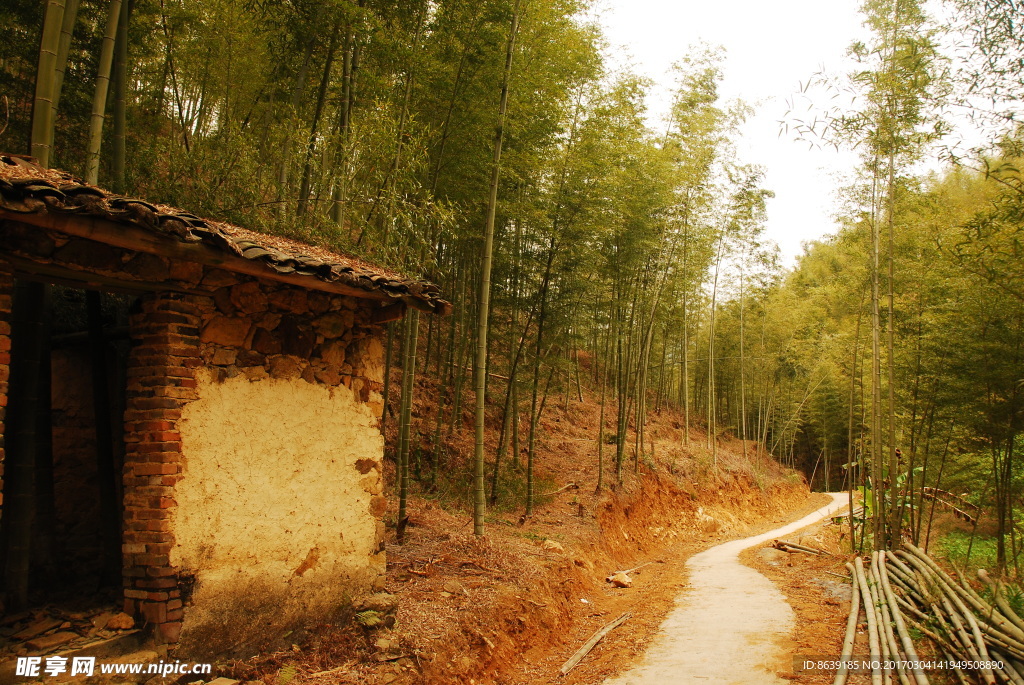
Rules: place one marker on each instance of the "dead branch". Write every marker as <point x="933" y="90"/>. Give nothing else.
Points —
<point x="591" y="643"/>
<point x="480" y="566"/>
<point x="570" y="486"/>
<point x="637" y="568"/>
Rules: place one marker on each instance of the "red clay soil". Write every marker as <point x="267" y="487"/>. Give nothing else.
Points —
<point x="815" y="586"/>
<point x="514" y="605"/>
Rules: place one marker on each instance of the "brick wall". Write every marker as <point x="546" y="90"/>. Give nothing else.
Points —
<point x="161" y="380"/>
<point x="6" y="287"/>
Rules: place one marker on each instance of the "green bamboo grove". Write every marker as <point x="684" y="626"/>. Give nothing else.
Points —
<point x="489" y="147"/>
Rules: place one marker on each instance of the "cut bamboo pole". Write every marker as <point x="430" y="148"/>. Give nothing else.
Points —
<point x="997" y="592"/>
<point x="1009" y="671"/>
<point x="851" y="629"/>
<point x="882" y="603"/>
<point x="869" y="612"/>
<point x="901" y="627"/>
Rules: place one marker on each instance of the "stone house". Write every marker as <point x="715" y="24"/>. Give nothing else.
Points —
<point x="248" y="479"/>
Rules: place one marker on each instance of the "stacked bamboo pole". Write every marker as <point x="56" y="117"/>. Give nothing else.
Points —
<point x="904" y="590"/>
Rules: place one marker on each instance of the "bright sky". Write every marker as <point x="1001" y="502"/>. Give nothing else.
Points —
<point x="771" y="46"/>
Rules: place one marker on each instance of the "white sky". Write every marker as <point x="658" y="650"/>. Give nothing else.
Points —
<point x="771" y="46"/>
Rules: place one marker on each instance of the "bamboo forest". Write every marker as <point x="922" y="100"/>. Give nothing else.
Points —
<point x="600" y="257"/>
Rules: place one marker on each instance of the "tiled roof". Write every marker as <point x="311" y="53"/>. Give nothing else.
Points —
<point x="26" y="188"/>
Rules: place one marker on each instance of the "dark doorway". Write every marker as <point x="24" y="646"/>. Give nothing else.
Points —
<point x="65" y="447"/>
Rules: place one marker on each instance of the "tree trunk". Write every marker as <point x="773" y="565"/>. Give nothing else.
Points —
<point x="41" y="142"/>
<point x="321" y="98"/>
<point x="117" y="146"/>
<point x="99" y="101"/>
<point x="408" y="386"/>
<point x="67" y="31"/>
<point x="538" y="355"/>
<point x="480" y="367"/>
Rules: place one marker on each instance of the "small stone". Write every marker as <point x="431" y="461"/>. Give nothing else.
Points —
<point x="620" y="579"/>
<point x="218" y="278"/>
<point x="121" y="621"/>
<point x="224" y="357"/>
<point x="189" y="272"/>
<point x="334" y="324"/>
<point x="319" y="302"/>
<point x="222" y="681"/>
<point x="37" y="628"/>
<point x="285" y="366"/>
<point x="328" y="376"/>
<point x="553" y="546"/>
<point x="291" y="300"/>
<point x="454" y="587"/>
<point x="250" y="358"/>
<point x="333" y="352"/>
<point x="222" y="299"/>
<point x="384" y="602"/>
<point x="100" y="620"/>
<point x="249" y="298"/>
<point x="225" y="331"/>
<point x="268" y="320"/>
<point x="51" y="641"/>
<point x="149" y="267"/>
<point x="265" y="342"/>
<point x="382" y="643"/>
<point x="255" y="373"/>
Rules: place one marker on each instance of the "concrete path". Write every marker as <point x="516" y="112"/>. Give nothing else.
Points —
<point x="729" y="623"/>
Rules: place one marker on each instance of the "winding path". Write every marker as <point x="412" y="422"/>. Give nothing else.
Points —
<point x="729" y="624"/>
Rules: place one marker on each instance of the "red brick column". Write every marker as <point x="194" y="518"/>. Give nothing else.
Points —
<point x="6" y="288"/>
<point x="161" y="380"/>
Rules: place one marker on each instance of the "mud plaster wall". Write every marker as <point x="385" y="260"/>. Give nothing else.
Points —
<point x="278" y="506"/>
<point x="274" y="505"/>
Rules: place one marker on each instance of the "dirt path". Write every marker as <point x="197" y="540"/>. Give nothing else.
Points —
<point x="728" y="624"/>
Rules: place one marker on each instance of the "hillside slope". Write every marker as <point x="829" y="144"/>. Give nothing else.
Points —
<point x="513" y="605"/>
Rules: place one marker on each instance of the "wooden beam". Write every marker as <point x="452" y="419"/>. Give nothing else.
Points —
<point x="140" y="240"/>
<point x="389" y="312"/>
<point x="31" y="270"/>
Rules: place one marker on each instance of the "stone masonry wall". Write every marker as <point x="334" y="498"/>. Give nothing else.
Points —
<point x="280" y="502"/>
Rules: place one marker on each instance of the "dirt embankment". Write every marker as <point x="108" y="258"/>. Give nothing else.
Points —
<point x="513" y="605"/>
